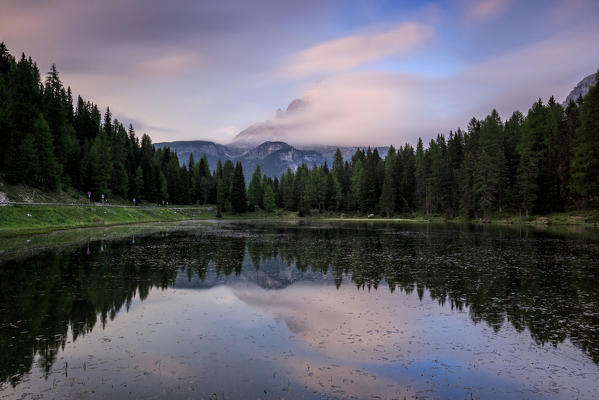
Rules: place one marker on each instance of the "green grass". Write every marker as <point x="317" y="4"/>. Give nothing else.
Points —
<point x="40" y="219"/>
<point x="75" y="236"/>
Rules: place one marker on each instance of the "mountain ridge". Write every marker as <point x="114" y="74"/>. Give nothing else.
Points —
<point x="261" y="143"/>
<point x="274" y="157"/>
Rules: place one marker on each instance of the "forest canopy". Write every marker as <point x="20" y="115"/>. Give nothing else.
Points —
<point x="544" y="161"/>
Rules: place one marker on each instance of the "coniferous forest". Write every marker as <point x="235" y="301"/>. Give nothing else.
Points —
<point x="544" y="161"/>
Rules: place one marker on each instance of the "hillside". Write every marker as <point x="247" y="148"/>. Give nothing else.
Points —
<point x="274" y="157"/>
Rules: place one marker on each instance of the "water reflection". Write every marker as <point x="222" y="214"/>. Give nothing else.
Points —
<point x="544" y="286"/>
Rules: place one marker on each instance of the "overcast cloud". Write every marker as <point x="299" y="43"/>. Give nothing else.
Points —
<point x="374" y="72"/>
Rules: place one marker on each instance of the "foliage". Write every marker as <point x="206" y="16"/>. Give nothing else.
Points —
<point x="546" y="161"/>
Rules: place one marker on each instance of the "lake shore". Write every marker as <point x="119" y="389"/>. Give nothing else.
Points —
<point x="590" y="219"/>
<point x="33" y="219"/>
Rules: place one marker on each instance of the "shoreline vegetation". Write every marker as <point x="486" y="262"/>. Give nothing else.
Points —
<point x="532" y="169"/>
<point x="22" y="219"/>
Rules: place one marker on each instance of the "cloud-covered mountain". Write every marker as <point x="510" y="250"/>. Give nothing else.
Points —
<point x="278" y="144"/>
<point x="279" y="128"/>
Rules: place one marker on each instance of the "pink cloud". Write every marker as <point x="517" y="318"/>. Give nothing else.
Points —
<point x="167" y="65"/>
<point x="481" y="9"/>
<point x="352" y="51"/>
<point x="384" y="107"/>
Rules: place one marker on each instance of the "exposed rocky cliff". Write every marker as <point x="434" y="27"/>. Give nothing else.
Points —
<point x="580" y="89"/>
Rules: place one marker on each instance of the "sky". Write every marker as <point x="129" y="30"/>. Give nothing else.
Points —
<point x="373" y="72"/>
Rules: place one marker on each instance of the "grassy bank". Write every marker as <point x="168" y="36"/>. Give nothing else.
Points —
<point x="26" y="219"/>
<point x="583" y="218"/>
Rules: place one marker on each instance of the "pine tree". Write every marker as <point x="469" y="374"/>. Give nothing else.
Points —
<point x="358" y="185"/>
<point x="491" y="168"/>
<point x="255" y="190"/>
<point x="23" y="105"/>
<point x="48" y="175"/>
<point x="389" y="190"/>
<point x="138" y="184"/>
<point x="288" y="190"/>
<point x="269" y="199"/>
<point x="585" y="163"/>
<point x="455" y="157"/>
<point x="528" y="172"/>
<point x="339" y="180"/>
<point x="98" y="166"/>
<point x="238" y="195"/>
<point x="420" y="178"/>
<point x="220" y="196"/>
<point x="468" y="198"/>
<point x="512" y="136"/>
<point x="485" y="183"/>
<point x="407" y="186"/>
<point x="30" y="167"/>
<point x="532" y="157"/>
<point x="228" y="172"/>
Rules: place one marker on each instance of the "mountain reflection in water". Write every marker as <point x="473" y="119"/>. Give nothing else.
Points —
<point x="335" y="288"/>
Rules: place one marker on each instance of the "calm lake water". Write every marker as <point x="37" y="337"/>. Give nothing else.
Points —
<point x="306" y="311"/>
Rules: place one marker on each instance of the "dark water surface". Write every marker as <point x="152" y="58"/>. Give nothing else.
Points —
<point x="235" y="310"/>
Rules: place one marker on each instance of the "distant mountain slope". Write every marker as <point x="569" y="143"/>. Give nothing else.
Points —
<point x="581" y="89"/>
<point x="198" y="148"/>
<point x="261" y="144"/>
<point x="274" y="157"/>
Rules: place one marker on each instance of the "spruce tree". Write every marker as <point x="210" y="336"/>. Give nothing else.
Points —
<point x="238" y="195"/>
<point x="98" y="166"/>
<point x="220" y="196"/>
<point x="420" y="176"/>
<point x="585" y="163"/>
<point x="528" y="172"/>
<point x="255" y="190"/>
<point x="48" y="175"/>
<point x="138" y="184"/>
<point x="269" y="199"/>
<point x="389" y="190"/>
<point x="490" y="171"/>
<point x="468" y="198"/>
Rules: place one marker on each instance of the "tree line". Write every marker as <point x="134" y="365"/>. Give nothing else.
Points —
<point x="542" y="162"/>
<point x="546" y="161"/>
<point x="49" y="141"/>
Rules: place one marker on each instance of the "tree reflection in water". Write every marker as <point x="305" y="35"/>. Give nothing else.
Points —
<point x="546" y="285"/>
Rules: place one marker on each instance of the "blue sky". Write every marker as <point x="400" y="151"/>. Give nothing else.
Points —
<point x="373" y="72"/>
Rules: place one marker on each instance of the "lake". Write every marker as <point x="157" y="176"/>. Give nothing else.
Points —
<point x="302" y="311"/>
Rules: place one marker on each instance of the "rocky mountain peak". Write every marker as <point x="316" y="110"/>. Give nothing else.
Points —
<point x="296" y="105"/>
<point x="581" y="89"/>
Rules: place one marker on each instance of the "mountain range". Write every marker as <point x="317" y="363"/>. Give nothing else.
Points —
<point x="261" y="143"/>
<point x="273" y="157"/>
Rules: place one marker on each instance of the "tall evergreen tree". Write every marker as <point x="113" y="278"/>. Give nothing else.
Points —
<point x="97" y="166"/>
<point x="490" y="173"/>
<point x="585" y="163"/>
<point x="238" y="195"/>
<point x="269" y="199"/>
<point x="255" y="190"/>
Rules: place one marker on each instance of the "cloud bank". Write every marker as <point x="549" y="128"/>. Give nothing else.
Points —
<point x="383" y="107"/>
<point x="374" y="72"/>
<point x="355" y="50"/>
